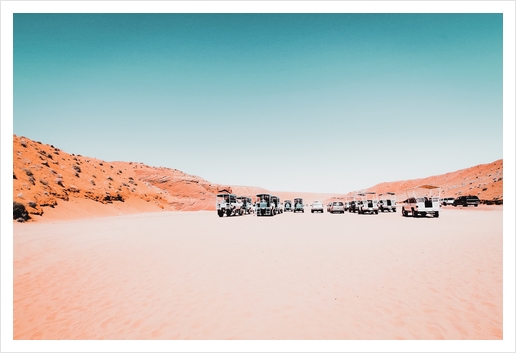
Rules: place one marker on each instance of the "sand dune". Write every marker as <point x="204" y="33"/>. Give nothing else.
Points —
<point x="193" y="275"/>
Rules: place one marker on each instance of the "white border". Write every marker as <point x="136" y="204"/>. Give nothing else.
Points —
<point x="10" y="7"/>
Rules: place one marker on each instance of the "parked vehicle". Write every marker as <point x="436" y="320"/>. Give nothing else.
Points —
<point x="447" y="201"/>
<point x="368" y="203"/>
<point x="277" y="205"/>
<point x="264" y="205"/>
<point x="298" y="205"/>
<point x="387" y="202"/>
<point x="228" y="204"/>
<point x="287" y="206"/>
<point x="247" y="204"/>
<point x="337" y="207"/>
<point x="466" y="201"/>
<point x="421" y="201"/>
<point x="353" y="204"/>
<point x="317" y="206"/>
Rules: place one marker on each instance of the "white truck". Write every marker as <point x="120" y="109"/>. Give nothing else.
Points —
<point x="278" y="206"/>
<point x="298" y="205"/>
<point x="368" y="203"/>
<point x="228" y="204"/>
<point x="421" y="201"/>
<point x="247" y="204"/>
<point x="387" y="202"/>
<point x="265" y="205"/>
<point x="317" y="206"/>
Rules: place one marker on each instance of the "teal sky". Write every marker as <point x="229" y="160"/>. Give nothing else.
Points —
<point x="289" y="102"/>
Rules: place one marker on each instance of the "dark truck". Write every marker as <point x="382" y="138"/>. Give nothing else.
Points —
<point x="466" y="201"/>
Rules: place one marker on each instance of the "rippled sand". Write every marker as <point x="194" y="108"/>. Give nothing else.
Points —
<point x="195" y="276"/>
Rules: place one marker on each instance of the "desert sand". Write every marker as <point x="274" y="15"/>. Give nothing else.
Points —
<point x="194" y="276"/>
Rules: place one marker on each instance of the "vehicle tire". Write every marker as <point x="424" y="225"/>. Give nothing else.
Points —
<point x="228" y="213"/>
<point x="403" y="213"/>
<point x="436" y="214"/>
<point x="376" y="212"/>
<point x="220" y="213"/>
<point x="476" y="205"/>
<point x="414" y="213"/>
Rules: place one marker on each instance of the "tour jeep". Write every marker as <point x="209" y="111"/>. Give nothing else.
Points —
<point x="277" y="205"/>
<point x="287" y="206"/>
<point x="228" y="204"/>
<point x="387" y="202"/>
<point x="264" y="205"/>
<point x="352" y="204"/>
<point x="368" y="203"/>
<point x="421" y="201"/>
<point x="247" y="204"/>
<point x="298" y="205"/>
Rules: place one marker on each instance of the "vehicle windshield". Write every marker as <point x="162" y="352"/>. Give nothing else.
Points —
<point x="338" y="204"/>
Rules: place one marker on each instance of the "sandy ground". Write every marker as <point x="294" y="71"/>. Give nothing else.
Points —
<point x="195" y="276"/>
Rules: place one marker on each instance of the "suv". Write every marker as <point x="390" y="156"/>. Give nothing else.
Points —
<point x="287" y="205"/>
<point x="466" y="201"/>
<point x="447" y="201"/>
<point x="317" y="206"/>
<point x="337" y="206"/>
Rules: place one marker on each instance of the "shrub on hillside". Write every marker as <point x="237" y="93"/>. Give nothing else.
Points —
<point x="20" y="214"/>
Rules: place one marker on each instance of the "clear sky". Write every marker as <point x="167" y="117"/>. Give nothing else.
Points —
<point x="289" y="102"/>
